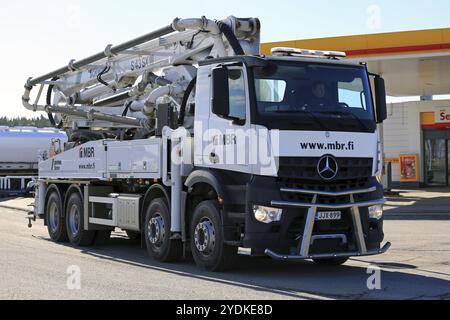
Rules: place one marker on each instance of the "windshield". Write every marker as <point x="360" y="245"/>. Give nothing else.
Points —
<point x="314" y="96"/>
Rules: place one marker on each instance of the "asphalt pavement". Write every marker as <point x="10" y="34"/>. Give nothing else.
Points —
<point x="33" y="267"/>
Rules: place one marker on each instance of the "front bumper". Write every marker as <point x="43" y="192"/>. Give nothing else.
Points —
<point x="374" y="252"/>
<point x="360" y="236"/>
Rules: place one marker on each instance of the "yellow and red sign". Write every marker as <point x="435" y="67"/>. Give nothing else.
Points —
<point x="395" y="43"/>
<point x="409" y="168"/>
<point x="442" y="115"/>
<point x="439" y="119"/>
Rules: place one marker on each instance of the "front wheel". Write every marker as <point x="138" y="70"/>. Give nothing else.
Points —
<point x="157" y="233"/>
<point x="207" y="239"/>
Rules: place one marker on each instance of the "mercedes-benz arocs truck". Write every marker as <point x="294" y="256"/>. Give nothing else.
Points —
<point x="192" y="140"/>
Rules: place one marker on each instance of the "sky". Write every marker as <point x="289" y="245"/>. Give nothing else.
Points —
<point x="40" y="36"/>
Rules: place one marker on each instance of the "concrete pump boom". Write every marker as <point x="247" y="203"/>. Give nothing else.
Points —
<point x="120" y="86"/>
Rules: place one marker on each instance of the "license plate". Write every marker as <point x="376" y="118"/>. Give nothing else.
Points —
<point x="329" y="216"/>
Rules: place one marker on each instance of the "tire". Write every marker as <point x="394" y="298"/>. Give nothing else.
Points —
<point x="75" y="222"/>
<point x="56" y="224"/>
<point x="207" y="240"/>
<point x="157" y="233"/>
<point x="333" y="262"/>
<point x="102" y="237"/>
<point x="133" y="235"/>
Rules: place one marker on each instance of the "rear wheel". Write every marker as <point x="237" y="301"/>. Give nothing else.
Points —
<point x="55" y="219"/>
<point x="207" y="240"/>
<point x="157" y="233"/>
<point x="75" y="222"/>
<point x="333" y="262"/>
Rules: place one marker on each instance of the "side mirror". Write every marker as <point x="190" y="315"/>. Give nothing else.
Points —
<point x="220" y="92"/>
<point x="380" y="99"/>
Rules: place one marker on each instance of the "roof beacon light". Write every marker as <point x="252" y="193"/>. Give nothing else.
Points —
<point x="282" y="51"/>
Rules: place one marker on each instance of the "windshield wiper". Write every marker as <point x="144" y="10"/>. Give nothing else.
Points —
<point x="310" y="113"/>
<point x="342" y="113"/>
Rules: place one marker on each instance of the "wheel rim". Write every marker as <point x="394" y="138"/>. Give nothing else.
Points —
<point x="156" y="230"/>
<point x="54" y="217"/>
<point x="74" y="220"/>
<point x="205" y="237"/>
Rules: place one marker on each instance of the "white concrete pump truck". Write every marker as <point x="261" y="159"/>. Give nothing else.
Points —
<point x="192" y="140"/>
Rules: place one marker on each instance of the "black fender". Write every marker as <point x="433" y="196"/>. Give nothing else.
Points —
<point x="154" y="192"/>
<point x="216" y="181"/>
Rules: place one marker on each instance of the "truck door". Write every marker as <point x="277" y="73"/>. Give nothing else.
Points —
<point x="229" y="134"/>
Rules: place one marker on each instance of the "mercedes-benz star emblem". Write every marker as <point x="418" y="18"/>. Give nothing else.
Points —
<point x="328" y="168"/>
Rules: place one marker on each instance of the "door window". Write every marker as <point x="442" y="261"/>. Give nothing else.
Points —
<point x="238" y="98"/>
<point x="352" y="94"/>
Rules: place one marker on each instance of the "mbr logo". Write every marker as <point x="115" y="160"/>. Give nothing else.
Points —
<point x="87" y="152"/>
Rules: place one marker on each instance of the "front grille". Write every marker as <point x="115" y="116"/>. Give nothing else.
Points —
<point x="306" y="168"/>
<point x="325" y="200"/>
<point x="301" y="173"/>
<point x="335" y="186"/>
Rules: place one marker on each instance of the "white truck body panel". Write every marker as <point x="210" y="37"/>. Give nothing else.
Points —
<point x="134" y="159"/>
<point x="104" y="159"/>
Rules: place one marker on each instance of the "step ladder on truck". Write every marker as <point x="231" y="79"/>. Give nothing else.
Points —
<point x="166" y="136"/>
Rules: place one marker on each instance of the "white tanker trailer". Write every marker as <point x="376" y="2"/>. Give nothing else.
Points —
<point x="19" y="150"/>
<point x="21" y="145"/>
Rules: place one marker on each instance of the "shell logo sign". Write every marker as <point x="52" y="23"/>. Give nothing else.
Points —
<point x="442" y="115"/>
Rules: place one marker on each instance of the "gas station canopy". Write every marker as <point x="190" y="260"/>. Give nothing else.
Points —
<point x="413" y="63"/>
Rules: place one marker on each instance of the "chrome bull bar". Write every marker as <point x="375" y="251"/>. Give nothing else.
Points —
<point x="313" y="207"/>
<point x="276" y="256"/>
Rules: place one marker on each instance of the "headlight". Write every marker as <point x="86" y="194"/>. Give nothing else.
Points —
<point x="267" y="214"/>
<point x="376" y="212"/>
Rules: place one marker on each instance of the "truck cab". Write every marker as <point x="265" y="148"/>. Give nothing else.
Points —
<point x="294" y="145"/>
